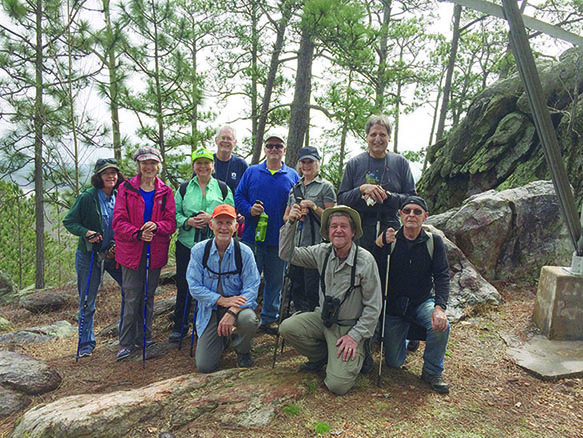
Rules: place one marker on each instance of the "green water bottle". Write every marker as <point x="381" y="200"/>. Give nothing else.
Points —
<point x="261" y="228"/>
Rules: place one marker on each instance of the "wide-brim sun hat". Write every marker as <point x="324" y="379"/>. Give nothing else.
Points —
<point x="337" y="209"/>
<point x="147" y="153"/>
<point x="202" y="153"/>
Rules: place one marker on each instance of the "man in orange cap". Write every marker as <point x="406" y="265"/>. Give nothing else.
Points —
<point x="223" y="277"/>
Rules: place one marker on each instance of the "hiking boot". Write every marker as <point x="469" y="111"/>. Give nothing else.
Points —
<point x="244" y="360"/>
<point x="436" y="382"/>
<point x="413" y="346"/>
<point x="313" y="366"/>
<point x="368" y="362"/>
<point x="175" y="337"/>
<point x="123" y="353"/>
<point x="85" y="351"/>
<point x="270" y="328"/>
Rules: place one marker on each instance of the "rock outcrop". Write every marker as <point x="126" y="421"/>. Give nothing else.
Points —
<point x="496" y="146"/>
<point x="467" y="286"/>
<point x="251" y="402"/>
<point x="25" y="374"/>
<point x="59" y="329"/>
<point x="45" y="301"/>
<point x="510" y="234"/>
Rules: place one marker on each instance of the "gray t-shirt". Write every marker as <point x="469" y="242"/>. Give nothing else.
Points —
<point x="318" y="191"/>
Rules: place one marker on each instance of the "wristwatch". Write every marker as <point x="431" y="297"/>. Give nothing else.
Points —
<point x="315" y="208"/>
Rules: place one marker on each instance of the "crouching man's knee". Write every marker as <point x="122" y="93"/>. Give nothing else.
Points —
<point x="338" y="386"/>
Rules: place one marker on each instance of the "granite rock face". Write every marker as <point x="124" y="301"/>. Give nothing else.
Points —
<point x="496" y="145"/>
<point x="510" y="235"/>
<point x="248" y="398"/>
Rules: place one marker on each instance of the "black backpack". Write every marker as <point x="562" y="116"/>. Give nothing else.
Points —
<point x="238" y="258"/>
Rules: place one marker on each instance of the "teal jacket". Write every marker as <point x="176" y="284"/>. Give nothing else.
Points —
<point x="193" y="202"/>
<point x="85" y="214"/>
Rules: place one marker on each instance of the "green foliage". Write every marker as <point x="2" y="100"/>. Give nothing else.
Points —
<point x="415" y="156"/>
<point x="321" y="428"/>
<point x="291" y="409"/>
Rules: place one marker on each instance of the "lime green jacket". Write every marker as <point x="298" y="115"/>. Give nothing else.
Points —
<point x="193" y="202"/>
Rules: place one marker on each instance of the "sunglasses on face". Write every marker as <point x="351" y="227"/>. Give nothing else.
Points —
<point x="274" y="145"/>
<point x="103" y="161"/>
<point x="416" y="211"/>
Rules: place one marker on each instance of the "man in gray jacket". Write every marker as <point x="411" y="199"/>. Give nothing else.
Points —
<point x="350" y="298"/>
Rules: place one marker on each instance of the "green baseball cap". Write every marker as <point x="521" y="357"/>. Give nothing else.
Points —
<point x="202" y="153"/>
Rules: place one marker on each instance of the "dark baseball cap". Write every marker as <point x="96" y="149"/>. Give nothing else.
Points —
<point x="413" y="199"/>
<point x="310" y="152"/>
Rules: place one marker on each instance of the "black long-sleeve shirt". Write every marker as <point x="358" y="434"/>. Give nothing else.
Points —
<point x="413" y="273"/>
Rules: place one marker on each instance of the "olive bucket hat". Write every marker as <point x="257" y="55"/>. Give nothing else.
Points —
<point x="340" y="209"/>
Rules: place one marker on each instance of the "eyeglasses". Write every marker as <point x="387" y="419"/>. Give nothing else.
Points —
<point x="274" y="145"/>
<point x="103" y="161"/>
<point x="416" y="211"/>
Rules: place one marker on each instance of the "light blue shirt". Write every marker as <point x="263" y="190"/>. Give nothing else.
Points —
<point x="203" y="284"/>
<point x="106" y="204"/>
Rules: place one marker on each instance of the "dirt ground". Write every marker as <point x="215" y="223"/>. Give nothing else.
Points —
<point x="490" y="395"/>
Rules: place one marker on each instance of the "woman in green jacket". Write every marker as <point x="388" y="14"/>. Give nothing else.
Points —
<point x="195" y="201"/>
<point x="90" y="218"/>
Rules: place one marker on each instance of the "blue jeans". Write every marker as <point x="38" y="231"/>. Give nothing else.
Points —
<point x="83" y="267"/>
<point x="396" y="328"/>
<point x="272" y="266"/>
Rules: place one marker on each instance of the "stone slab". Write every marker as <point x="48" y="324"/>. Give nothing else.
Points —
<point x="558" y="309"/>
<point x="549" y="359"/>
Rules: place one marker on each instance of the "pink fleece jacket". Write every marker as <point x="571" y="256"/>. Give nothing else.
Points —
<point x="128" y="218"/>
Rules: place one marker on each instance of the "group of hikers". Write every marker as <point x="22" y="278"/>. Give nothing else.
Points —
<point x="361" y="267"/>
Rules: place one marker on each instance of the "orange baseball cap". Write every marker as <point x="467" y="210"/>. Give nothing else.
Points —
<point x="225" y="209"/>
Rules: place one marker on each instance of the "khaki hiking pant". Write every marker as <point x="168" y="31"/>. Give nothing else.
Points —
<point x="307" y="334"/>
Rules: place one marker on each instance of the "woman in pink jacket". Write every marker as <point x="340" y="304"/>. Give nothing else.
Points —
<point x="144" y="218"/>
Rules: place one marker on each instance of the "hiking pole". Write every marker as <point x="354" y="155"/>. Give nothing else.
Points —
<point x="82" y="319"/>
<point x="145" y="305"/>
<point x="184" y="316"/>
<point x="385" y="295"/>
<point x="287" y="286"/>
<point x="193" y="327"/>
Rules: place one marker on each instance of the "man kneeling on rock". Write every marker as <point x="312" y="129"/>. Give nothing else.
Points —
<point x="223" y="278"/>
<point x="350" y="298"/>
<point x="418" y="290"/>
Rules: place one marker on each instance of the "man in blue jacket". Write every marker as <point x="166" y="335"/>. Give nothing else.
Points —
<point x="418" y="290"/>
<point x="225" y="286"/>
<point x="265" y="188"/>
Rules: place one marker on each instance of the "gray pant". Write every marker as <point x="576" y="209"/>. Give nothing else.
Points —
<point x="132" y="323"/>
<point x="306" y="333"/>
<point x="210" y="345"/>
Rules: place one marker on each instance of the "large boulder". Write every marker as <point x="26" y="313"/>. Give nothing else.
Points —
<point x="11" y="402"/>
<point x="510" y="234"/>
<point x="235" y="397"/>
<point x="45" y="301"/>
<point x="467" y="287"/>
<point x="59" y="329"/>
<point x="496" y="145"/>
<point x="25" y="374"/>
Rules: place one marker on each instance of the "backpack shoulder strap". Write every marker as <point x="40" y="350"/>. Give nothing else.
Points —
<point x="238" y="258"/>
<point x="207" y="251"/>
<point x="323" y="274"/>
<point x="430" y="244"/>
<point x="224" y="189"/>
<point x="182" y="188"/>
